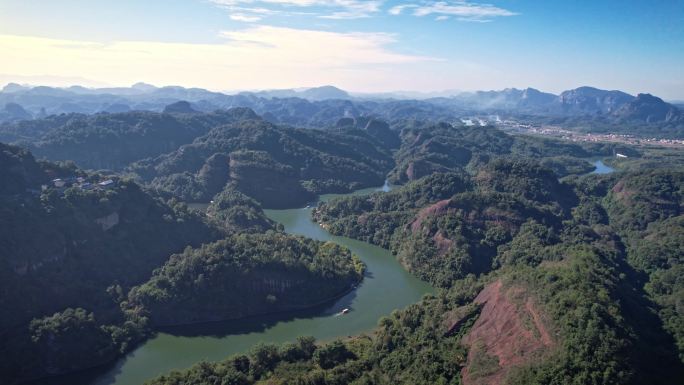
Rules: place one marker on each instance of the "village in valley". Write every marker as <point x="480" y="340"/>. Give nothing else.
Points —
<point x="79" y="182"/>
<point x="61" y="184"/>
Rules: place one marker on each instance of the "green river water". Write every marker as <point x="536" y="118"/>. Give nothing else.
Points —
<point x="386" y="287"/>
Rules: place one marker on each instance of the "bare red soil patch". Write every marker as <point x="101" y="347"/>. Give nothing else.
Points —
<point x="443" y="243"/>
<point x="509" y="332"/>
<point x="621" y="192"/>
<point x="436" y="208"/>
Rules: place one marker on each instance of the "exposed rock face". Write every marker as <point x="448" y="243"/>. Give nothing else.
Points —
<point x="435" y="209"/>
<point x="589" y="100"/>
<point x="456" y="318"/>
<point x="534" y="97"/>
<point x="263" y="293"/>
<point x="647" y="108"/>
<point x="510" y="332"/>
<point x="109" y="221"/>
<point x="509" y="98"/>
<point x="420" y="168"/>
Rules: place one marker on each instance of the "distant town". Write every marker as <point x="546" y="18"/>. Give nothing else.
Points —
<point x="561" y="133"/>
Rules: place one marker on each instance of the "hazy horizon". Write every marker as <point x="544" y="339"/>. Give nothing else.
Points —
<point x="406" y="94"/>
<point x="371" y="46"/>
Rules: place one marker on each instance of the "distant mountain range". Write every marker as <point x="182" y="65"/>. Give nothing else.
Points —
<point x="313" y="94"/>
<point x="323" y="106"/>
<point x="583" y="101"/>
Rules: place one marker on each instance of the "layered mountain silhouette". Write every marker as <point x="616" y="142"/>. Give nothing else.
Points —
<point x="322" y="107"/>
<point x="13" y="112"/>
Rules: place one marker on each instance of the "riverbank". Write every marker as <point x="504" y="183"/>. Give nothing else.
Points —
<point x="56" y="378"/>
<point x="170" y="327"/>
<point x="386" y="286"/>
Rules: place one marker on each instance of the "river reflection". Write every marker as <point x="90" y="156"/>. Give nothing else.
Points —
<point x="386" y="287"/>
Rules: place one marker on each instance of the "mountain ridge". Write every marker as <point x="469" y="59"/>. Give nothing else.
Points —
<point x="321" y="107"/>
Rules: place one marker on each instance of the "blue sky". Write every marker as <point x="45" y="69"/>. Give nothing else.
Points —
<point x="421" y="45"/>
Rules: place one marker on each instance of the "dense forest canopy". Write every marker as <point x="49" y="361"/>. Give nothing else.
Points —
<point x="112" y="141"/>
<point x="244" y="275"/>
<point x="278" y="166"/>
<point x="578" y="251"/>
<point x="545" y="274"/>
<point x="446" y="147"/>
<point x="89" y="290"/>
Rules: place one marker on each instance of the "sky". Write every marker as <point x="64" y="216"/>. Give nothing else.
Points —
<point x="357" y="45"/>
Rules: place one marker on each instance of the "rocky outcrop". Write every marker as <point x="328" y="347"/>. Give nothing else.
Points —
<point x="108" y="221"/>
<point x="453" y="320"/>
<point x="420" y="168"/>
<point x="590" y="101"/>
<point x="260" y="293"/>
<point x="647" y="108"/>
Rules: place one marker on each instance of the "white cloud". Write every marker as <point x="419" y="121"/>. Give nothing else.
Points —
<point x="353" y="9"/>
<point x="338" y="9"/>
<point x="249" y="10"/>
<point x="299" y="3"/>
<point x="245" y="18"/>
<point x="398" y="9"/>
<point x="462" y="10"/>
<point x="250" y="58"/>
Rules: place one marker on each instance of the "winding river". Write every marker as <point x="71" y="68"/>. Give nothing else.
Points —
<point x="386" y="287"/>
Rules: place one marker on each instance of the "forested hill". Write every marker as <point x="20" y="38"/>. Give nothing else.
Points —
<point x="193" y="156"/>
<point x="546" y="274"/>
<point x="544" y="282"/>
<point x="73" y="244"/>
<point x="244" y="275"/>
<point x="444" y="147"/>
<point x="112" y="141"/>
<point x="64" y="243"/>
<point x="277" y="166"/>
<point x="446" y="226"/>
<point x="603" y="251"/>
